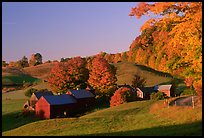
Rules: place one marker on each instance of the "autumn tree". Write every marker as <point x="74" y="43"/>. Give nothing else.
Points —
<point x="189" y="82"/>
<point x="124" y="57"/>
<point x="22" y="63"/>
<point x="117" y="58"/>
<point x="4" y="64"/>
<point x="177" y="33"/>
<point x="138" y="81"/>
<point x="35" y="59"/>
<point x="198" y="88"/>
<point x="72" y="74"/>
<point x="102" y="76"/>
<point x="122" y="95"/>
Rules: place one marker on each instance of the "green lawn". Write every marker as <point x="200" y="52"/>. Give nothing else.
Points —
<point x="132" y="118"/>
<point x="126" y="71"/>
<point x="12" y="79"/>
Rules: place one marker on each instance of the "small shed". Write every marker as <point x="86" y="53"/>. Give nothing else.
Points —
<point x="36" y="96"/>
<point x="84" y="98"/>
<point x="53" y="106"/>
<point x="166" y="89"/>
<point x="144" y="92"/>
<point x="26" y="104"/>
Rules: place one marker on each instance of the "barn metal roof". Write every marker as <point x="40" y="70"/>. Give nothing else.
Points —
<point x="78" y="94"/>
<point x="60" y="99"/>
<point x="164" y="87"/>
<point x="39" y="94"/>
<point x="147" y="89"/>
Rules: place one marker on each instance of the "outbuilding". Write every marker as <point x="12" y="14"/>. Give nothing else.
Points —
<point x="144" y="92"/>
<point x="85" y="98"/>
<point x="166" y="89"/>
<point x="53" y="106"/>
<point x="36" y="96"/>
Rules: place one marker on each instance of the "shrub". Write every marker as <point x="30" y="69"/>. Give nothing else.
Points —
<point x="188" y="92"/>
<point x="27" y="84"/>
<point x="30" y="91"/>
<point x="198" y="88"/>
<point x="121" y="96"/>
<point x="157" y="96"/>
<point x="42" y="90"/>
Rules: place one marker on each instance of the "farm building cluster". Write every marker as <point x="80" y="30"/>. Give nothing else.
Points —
<point x="47" y="105"/>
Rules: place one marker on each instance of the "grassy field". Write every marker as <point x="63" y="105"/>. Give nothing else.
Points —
<point x="134" y="118"/>
<point x="126" y="71"/>
<point x="14" y="79"/>
<point x="40" y="71"/>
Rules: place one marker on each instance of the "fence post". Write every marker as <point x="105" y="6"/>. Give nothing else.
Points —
<point x="193" y="102"/>
<point x="168" y="103"/>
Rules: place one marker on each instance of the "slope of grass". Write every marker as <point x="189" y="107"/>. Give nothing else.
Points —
<point x="15" y="79"/>
<point x="134" y="118"/>
<point x="40" y="71"/>
<point x="126" y="71"/>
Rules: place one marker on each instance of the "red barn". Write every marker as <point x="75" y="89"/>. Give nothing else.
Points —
<point x="85" y="98"/>
<point x="36" y="96"/>
<point x="55" y="106"/>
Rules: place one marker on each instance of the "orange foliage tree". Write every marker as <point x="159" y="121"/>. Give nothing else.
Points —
<point x="102" y="76"/>
<point x="68" y="75"/>
<point x="177" y="34"/>
<point x="121" y="96"/>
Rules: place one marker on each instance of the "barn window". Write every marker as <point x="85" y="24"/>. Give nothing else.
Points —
<point x="65" y="113"/>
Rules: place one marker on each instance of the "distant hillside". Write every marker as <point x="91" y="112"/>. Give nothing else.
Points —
<point x="40" y="71"/>
<point x="16" y="77"/>
<point x="126" y="72"/>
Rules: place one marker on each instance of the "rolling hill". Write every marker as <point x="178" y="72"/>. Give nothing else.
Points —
<point x="125" y="73"/>
<point x="129" y="119"/>
<point x="16" y="77"/>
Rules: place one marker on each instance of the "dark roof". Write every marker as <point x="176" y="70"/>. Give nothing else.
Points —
<point x="147" y="89"/>
<point x="78" y="94"/>
<point x="39" y="94"/>
<point x="59" y="99"/>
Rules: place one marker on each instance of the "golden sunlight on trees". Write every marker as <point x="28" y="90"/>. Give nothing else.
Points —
<point x="175" y="37"/>
<point x="102" y="76"/>
<point x="72" y="74"/>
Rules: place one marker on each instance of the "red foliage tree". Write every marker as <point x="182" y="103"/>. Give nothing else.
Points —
<point x="102" y="76"/>
<point x="198" y="88"/>
<point x="68" y="75"/>
<point x="189" y="82"/>
<point x="121" y="96"/>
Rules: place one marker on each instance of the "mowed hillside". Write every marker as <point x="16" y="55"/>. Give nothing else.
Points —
<point x="140" y="118"/>
<point x="13" y="76"/>
<point x="41" y="71"/>
<point x="126" y="72"/>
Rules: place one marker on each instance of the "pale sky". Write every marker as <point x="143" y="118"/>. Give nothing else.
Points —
<point x="67" y="29"/>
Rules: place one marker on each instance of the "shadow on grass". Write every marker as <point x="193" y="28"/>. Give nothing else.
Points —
<point x="19" y="79"/>
<point x="191" y="129"/>
<point x="154" y="71"/>
<point x="16" y="119"/>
